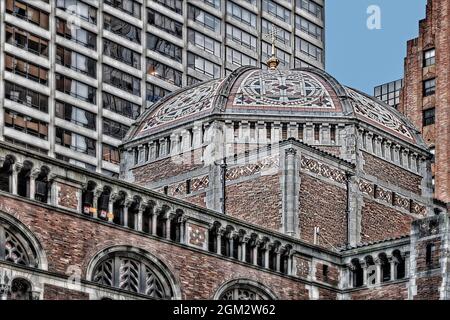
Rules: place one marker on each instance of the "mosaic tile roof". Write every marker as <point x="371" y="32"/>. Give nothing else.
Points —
<point x="289" y="94"/>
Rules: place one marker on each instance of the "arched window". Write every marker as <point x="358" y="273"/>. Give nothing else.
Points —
<point x="14" y="248"/>
<point x="132" y="272"/>
<point x="244" y="290"/>
<point x="20" y="290"/>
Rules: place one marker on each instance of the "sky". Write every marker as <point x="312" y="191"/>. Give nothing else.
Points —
<point x="360" y="57"/>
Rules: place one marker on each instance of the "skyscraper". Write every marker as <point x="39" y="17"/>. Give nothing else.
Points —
<point x="389" y="92"/>
<point x="75" y="74"/>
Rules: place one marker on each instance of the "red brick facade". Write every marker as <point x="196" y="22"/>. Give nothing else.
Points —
<point x="434" y="33"/>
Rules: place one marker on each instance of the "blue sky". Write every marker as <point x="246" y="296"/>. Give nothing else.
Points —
<point x="363" y="58"/>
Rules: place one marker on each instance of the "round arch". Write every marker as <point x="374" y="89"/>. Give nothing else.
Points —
<point x="27" y="239"/>
<point x="160" y="269"/>
<point x="252" y="290"/>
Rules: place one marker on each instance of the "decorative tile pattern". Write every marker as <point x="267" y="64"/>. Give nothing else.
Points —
<point x="418" y="208"/>
<point x="401" y="202"/>
<point x="366" y="187"/>
<point x="200" y="183"/>
<point x="197" y="235"/>
<point x="291" y="88"/>
<point x="383" y="195"/>
<point x="376" y="113"/>
<point x="253" y="168"/>
<point x="322" y="169"/>
<point x="183" y="105"/>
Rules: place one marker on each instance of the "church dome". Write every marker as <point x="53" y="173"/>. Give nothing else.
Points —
<point x="258" y="94"/>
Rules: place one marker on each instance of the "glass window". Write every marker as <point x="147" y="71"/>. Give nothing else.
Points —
<point x="26" y="41"/>
<point x="204" y="42"/>
<point x="282" y="36"/>
<point x="121" y="28"/>
<point x="309" y="27"/>
<point x="160" y="70"/>
<point x="27" y="13"/>
<point x="154" y="92"/>
<point x="213" y="3"/>
<point x="241" y="37"/>
<point x="164" y="47"/>
<point x="75" y="141"/>
<point x="311" y="7"/>
<point x="174" y="5"/>
<point x="76" y="88"/>
<point x="25" y="96"/>
<point x="239" y="59"/>
<point x="75" y="115"/>
<point x="78" y="8"/>
<point x="110" y="154"/>
<point x="276" y="10"/>
<point x="241" y="14"/>
<point x="162" y="22"/>
<point x="202" y="65"/>
<point x="121" y="53"/>
<point x="26" y="124"/>
<point x="77" y="163"/>
<point x="26" y="69"/>
<point x="429" y="87"/>
<point x="114" y="129"/>
<point x="78" y="35"/>
<point x="129" y="6"/>
<point x="429" y="117"/>
<point x="207" y="20"/>
<point x="429" y="57"/>
<point x="121" y="80"/>
<point x="309" y="49"/>
<point x="120" y="106"/>
<point x="76" y="61"/>
<point x="283" y="56"/>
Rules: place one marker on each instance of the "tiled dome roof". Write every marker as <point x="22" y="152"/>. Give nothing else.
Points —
<point x="287" y="94"/>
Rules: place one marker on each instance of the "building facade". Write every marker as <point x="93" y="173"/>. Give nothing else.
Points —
<point x="426" y="91"/>
<point x="75" y="74"/>
<point x="333" y="202"/>
<point x="389" y="92"/>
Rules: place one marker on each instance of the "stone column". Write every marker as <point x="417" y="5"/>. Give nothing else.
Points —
<point x="168" y="226"/>
<point x="231" y="244"/>
<point x="289" y="265"/>
<point x="243" y="249"/>
<point x="379" y="271"/>
<point x="255" y="255"/>
<point x="393" y="262"/>
<point x="278" y="264"/>
<point x="33" y="175"/>
<point x="219" y="242"/>
<point x="126" y="205"/>
<point x="378" y="146"/>
<point x="139" y="221"/>
<point x="325" y="133"/>
<point x="364" y="267"/>
<point x="15" y="178"/>
<point x="154" y="223"/>
<point x="162" y="147"/>
<point x="112" y="198"/>
<point x="369" y="142"/>
<point x="97" y="194"/>
<point x="261" y="133"/>
<point x="293" y="130"/>
<point x="291" y="193"/>
<point x="266" y="257"/>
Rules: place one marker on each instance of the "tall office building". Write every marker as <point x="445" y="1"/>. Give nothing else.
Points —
<point x="389" y="92"/>
<point x="75" y="74"/>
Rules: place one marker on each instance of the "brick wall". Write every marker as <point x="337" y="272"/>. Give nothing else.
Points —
<point x="326" y="211"/>
<point x="428" y="288"/>
<point x="390" y="173"/>
<point x="67" y="196"/>
<point x="434" y="32"/>
<point x="256" y="201"/>
<point x="331" y="276"/>
<point x="379" y="222"/>
<point x="52" y="292"/>
<point x="72" y="241"/>
<point x="166" y="168"/>
<point x="397" y="291"/>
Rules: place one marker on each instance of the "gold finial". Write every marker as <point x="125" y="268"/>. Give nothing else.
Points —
<point x="273" y="62"/>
